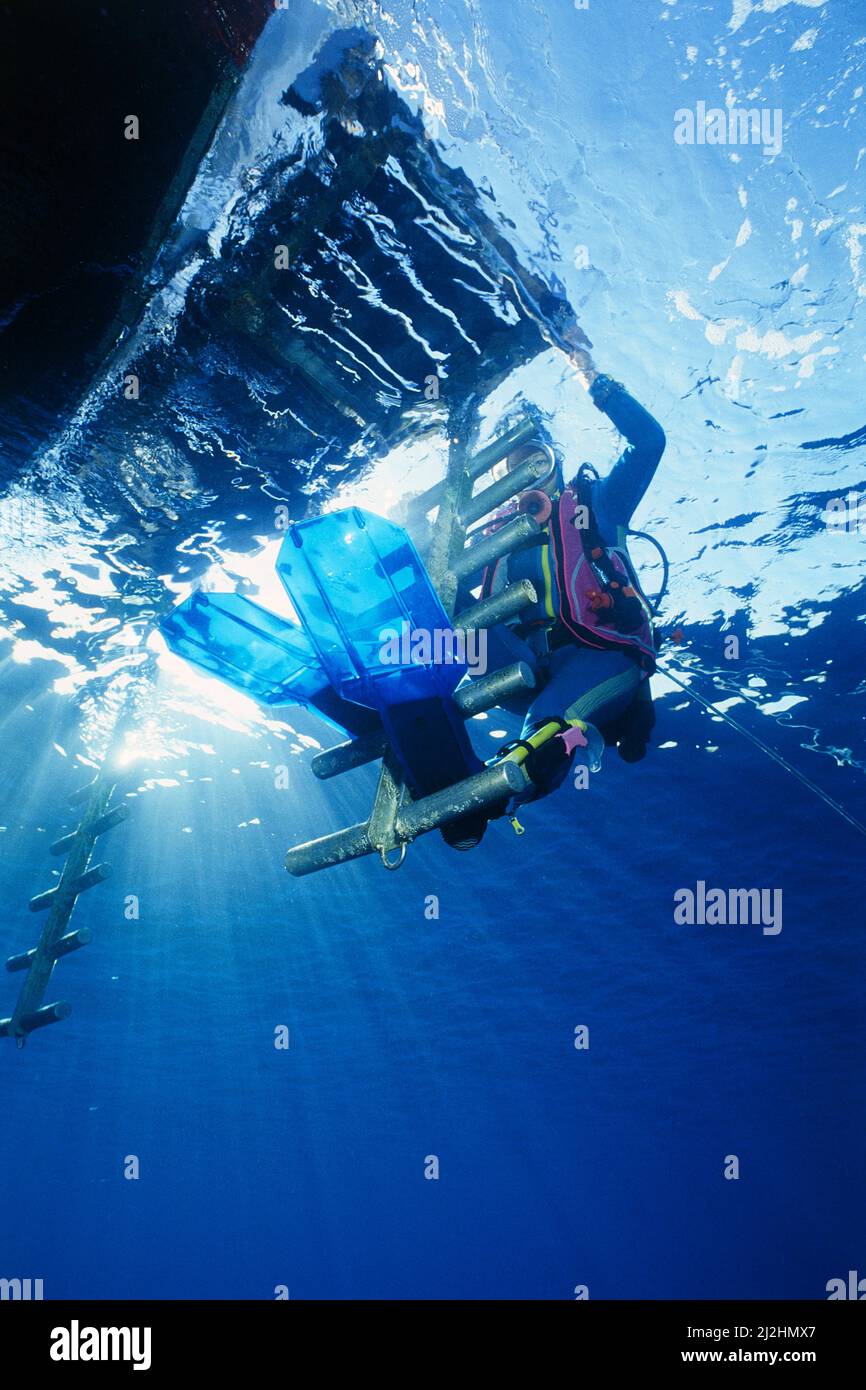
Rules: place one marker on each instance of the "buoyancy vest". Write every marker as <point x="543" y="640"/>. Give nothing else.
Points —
<point x="600" y="601"/>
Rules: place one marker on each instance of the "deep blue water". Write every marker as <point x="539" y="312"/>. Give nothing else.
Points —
<point x="727" y="289"/>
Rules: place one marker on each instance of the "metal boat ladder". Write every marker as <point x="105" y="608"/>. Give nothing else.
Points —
<point x="396" y="819"/>
<point x="76" y="877"/>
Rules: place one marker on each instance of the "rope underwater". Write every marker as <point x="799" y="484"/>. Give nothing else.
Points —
<point x="765" y="748"/>
<point x="712" y="709"/>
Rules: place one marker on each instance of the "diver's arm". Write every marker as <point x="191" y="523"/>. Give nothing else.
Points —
<point x="616" y="496"/>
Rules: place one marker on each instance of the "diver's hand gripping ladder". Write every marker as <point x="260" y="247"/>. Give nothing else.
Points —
<point x="77" y="876"/>
<point x="396" y="819"/>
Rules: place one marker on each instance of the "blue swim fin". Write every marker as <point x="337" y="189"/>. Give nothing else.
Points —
<point x="264" y="656"/>
<point x="375" y="645"/>
<point x="249" y="648"/>
<point x="363" y="596"/>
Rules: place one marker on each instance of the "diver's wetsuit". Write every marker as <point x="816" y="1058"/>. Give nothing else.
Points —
<point x="574" y="681"/>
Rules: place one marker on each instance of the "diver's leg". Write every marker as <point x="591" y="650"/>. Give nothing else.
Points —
<point x="595" y="686"/>
<point x="585" y="690"/>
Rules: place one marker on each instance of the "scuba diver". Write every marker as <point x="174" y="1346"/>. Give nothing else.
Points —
<point x="589" y="638"/>
<point x="354" y="577"/>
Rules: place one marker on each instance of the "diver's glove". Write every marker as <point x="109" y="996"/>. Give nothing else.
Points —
<point x="602" y="389"/>
<point x="548" y="751"/>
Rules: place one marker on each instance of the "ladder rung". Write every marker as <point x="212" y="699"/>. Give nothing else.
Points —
<point x="521" y="433"/>
<point x="49" y="1013"/>
<point x="489" y="548"/>
<point x="99" y="827"/>
<point x="329" y="850"/>
<point x="490" y="690"/>
<point x="482" y="462"/>
<point x="40" y="1018"/>
<point x="498" y="783"/>
<point x="499" y="607"/>
<point x="532" y="470"/>
<point x="72" y="941"/>
<point x="345" y="757"/>
<point x="88" y="879"/>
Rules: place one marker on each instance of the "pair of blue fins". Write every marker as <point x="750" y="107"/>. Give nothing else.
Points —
<point x="355" y="581"/>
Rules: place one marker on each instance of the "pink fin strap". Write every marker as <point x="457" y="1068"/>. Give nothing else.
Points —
<point x="574" y="738"/>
